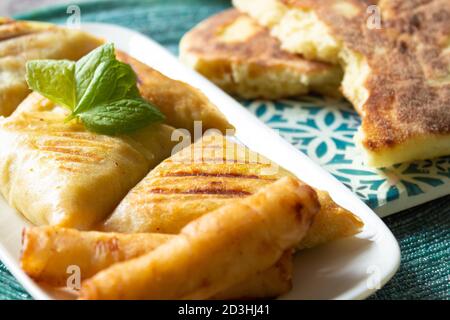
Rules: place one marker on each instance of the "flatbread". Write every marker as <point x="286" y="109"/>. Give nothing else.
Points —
<point x="240" y="56"/>
<point x="397" y="76"/>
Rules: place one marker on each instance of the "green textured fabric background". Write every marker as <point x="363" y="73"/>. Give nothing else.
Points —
<point x="423" y="232"/>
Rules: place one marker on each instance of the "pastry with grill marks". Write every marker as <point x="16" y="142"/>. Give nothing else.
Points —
<point x="58" y="173"/>
<point x="209" y="174"/>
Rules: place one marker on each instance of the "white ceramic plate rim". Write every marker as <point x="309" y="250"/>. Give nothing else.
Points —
<point x="380" y="259"/>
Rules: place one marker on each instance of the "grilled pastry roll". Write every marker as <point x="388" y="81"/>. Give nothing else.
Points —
<point x="58" y="173"/>
<point x="21" y="41"/>
<point x="205" y="176"/>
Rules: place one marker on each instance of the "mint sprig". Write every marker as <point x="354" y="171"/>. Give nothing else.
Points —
<point x="99" y="90"/>
<point x="120" y="116"/>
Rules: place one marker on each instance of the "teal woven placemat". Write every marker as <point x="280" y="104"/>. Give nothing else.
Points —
<point x="423" y="232"/>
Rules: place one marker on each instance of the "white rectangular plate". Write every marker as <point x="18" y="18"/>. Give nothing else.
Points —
<point x="351" y="268"/>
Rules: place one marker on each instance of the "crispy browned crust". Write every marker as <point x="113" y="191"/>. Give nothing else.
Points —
<point x="260" y="49"/>
<point x="181" y="103"/>
<point x="409" y="57"/>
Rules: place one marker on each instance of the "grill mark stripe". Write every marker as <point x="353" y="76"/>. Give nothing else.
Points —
<point x="73" y="138"/>
<point x="214" y="161"/>
<point x="75" y="159"/>
<point x="70" y="136"/>
<point x="211" y="191"/>
<point x="75" y="135"/>
<point x="72" y="152"/>
<point x="215" y="175"/>
<point x="177" y="198"/>
<point x="70" y="143"/>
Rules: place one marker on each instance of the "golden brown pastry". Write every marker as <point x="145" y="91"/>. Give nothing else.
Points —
<point x="205" y="176"/>
<point x="235" y="52"/>
<point x="215" y="251"/>
<point x="266" y="284"/>
<point x="181" y="103"/>
<point x="58" y="173"/>
<point x="21" y="41"/>
<point x="48" y="253"/>
<point x="396" y="60"/>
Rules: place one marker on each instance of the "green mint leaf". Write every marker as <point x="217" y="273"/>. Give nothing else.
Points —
<point x="112" y="80"/>
<point x="121" y="116"/>
<point x="87" y="65"/>
<point x="125" y="86"/>
<point x="54" y="79"/>
<point x="100" y="90"/>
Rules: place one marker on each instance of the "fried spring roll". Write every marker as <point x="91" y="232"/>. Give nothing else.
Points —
<point x="215" y="251"/>
<point x="331" y="223"/>
<point x="49" y="251"/>
<point x="267" y="284"/>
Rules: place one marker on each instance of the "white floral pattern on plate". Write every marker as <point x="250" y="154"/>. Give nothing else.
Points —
<point x="324" y="129"/>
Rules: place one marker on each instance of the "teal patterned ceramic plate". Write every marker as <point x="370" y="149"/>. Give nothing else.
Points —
<point x="324" y="130"/>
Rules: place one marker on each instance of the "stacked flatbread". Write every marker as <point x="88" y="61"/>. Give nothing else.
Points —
<point x="396" y="60"/>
